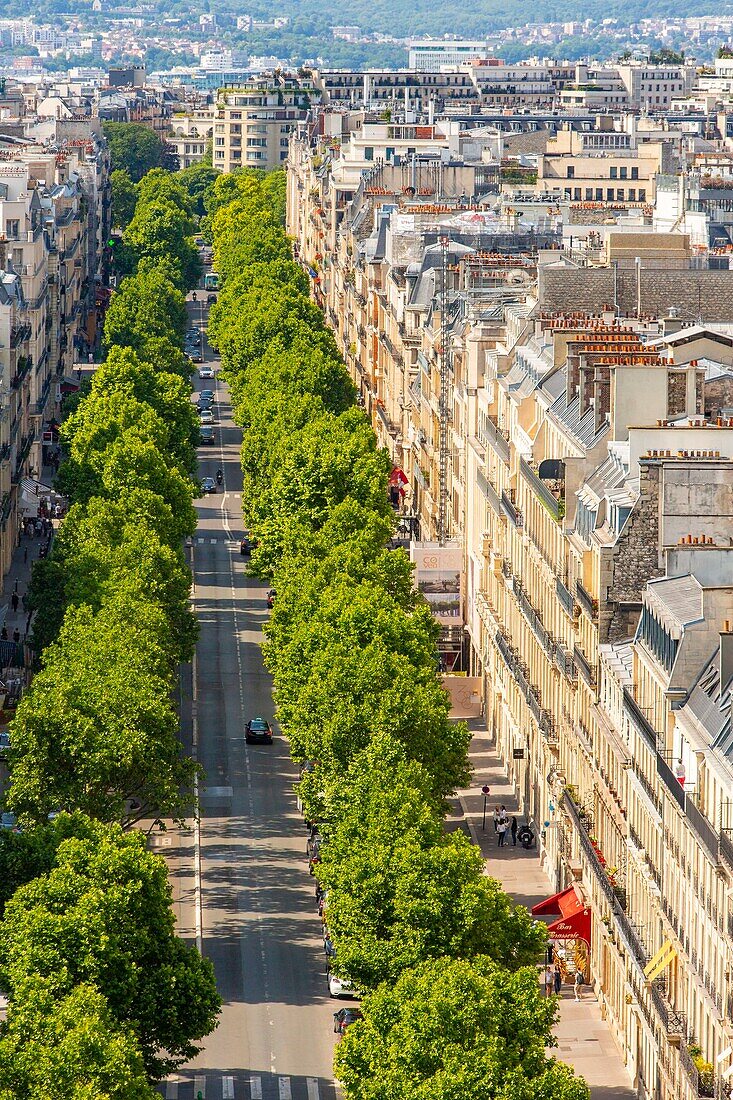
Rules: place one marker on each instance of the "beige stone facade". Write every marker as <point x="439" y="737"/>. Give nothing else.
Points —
<point x="592" y="500"/>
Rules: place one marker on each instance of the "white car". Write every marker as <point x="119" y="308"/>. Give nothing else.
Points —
<point x="341" y="987"/>
<point x="206" y="416"/>
<point x="206" y="372"/>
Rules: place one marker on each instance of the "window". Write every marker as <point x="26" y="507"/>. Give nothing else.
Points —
<point x="614" y="173"/>
<point x="623" y="172"/>
<point x="599" y="194"/>
<point x="632" y="194"/>
<point x="12" y="229"/>
<point x="589" y="194"/>
<point x="620" y="194"/>
<point x="368" y="152"/>
<point x="571" y="172"/>
<point x="642" y="195"/>
<point x="634" y="173"/>
<point x="576" y="194"/>
<point x="389" y="152"/>
<point x="609" y="194"/>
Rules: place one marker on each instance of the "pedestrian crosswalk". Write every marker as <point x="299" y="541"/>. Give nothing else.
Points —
<point x="232" y="544"/>
<point x="247" y="1086"/>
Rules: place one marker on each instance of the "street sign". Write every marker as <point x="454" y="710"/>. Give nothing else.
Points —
<point x="486" y="789"/>
<point x="518" y="754"/>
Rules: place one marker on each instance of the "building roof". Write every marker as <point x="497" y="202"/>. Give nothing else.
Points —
<point x="711" y="707"/>
<point x="676" y="601"/>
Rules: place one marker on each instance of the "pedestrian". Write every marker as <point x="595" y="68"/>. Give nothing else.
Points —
<point x="15" y="601"/>
<point x="549" y="981"/>
<point x="501" y="830"/>
<point x="578" y="984"/>
<point x="4" y="634"/>
<point x="25" y="556"/>
<point x="558" y="979"/>
<point x="16" y="635"/>
<point x="496" y="818"/>
<point x="15" y="588"/>
<point x="514" y="831"/>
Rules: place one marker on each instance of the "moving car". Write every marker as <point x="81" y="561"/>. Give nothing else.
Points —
<point x="247" y="545"/>
<point x="211" y="299"/>
<point x="193" y="336"/>
<point x="206" y="416"/>
<point x="206" y="435"/>
<point x="194" y="353"/>
<point x="258" y="729"/>
<point x="207" y="394"/>
<point x="271" y="598"/>
<point x="206" y="372"/>
<point x="205" y="402"/>
<point x="344" y="1018"/>
<point x="340" y="987"/>
<point x="208" y="485"/>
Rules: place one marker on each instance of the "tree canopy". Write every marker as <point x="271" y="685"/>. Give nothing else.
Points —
<point x="133" y="148"/>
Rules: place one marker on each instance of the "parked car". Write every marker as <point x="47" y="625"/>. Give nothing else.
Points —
<point x="258" y="730"/>
<point x="344" y="1018"/>
<point x="206" y="416"/>
<point x="211" y="299"/>
<point x="194" y="353"/>
<point x="271" y="598"/>
<point x="193" y="336"/>
<point x="204" y="402"/>
<point x="4" y="744"/>
<point x="208" y="485"/>
<point x="206" y="435"/>
<point x="247" y="545"/>
<point x="340" y="987"/>
<point x="206" y="372"/>
<point x="207" y="393"/>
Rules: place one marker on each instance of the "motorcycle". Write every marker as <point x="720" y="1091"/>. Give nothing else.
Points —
<point x="219" y="477"/>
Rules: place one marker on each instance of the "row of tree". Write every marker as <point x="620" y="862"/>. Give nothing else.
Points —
<point x="104" y="998"/>
<point x="452" y="1005"/>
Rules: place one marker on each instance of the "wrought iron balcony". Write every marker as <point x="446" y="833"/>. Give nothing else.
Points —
<point x="586" y="601"/>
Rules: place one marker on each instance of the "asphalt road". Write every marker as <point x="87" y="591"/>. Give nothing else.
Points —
<point x="257" y="918"/>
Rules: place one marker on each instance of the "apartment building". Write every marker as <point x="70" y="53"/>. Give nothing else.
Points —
<point x="580" y="460"/>
<point x="190" y="134"/>
<point x="54" y="216"/>
<point x="606" y="166"/>
<point x="253" y="121"/>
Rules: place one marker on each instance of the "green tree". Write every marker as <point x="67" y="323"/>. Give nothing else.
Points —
<point x="159" y="186"/>
<point x="102" y="916"/>
<point x="146" y="306"/>
<point x="99" y="732"/>
<point x="453" y="1029"/>
<point x="197" y="180"/>
<point x="133" y="147"/>
<point x="160" y="231"/>
<point x="124" y="198"/>
<point x="401" y="890"/>
<point x="69" y="1048"/>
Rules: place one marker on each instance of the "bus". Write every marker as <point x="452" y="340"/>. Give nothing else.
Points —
<point x="211" y="281"/>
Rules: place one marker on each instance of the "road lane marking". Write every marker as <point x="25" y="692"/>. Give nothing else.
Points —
<point x="198" y="901"/>
<point x="213" y="541"/>
<point x="312" y="1086"/>
<point x="255" y="1088"/>
<point x="171" y="1090"/>
<point x="201" y="541"/>
<point x="283" y="1084"/>
<point x="217" y="792"/>
<point x="227" y="1088"/>
<point x="199" y="1086"/>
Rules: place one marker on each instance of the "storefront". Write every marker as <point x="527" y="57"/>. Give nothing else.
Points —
<point x="569" y="935"/>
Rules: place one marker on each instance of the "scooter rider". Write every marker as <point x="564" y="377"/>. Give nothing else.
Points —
<point x="219" y="476"/>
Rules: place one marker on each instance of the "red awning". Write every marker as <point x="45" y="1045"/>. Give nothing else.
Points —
<point x="574" y="922"/>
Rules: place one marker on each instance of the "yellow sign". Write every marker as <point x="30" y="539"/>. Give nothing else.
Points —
<point x="660" y="961"/>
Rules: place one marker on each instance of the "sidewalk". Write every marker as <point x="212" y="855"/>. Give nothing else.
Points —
<point x="584" y="1039"/>
<point x="19" y="575"/>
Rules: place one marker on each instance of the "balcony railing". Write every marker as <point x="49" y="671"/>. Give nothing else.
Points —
<point x="511" y="510"/>
<point x="584" y="667"/>
<point x="551" y="503"/>
<point x="706" y="834"/>
<point x="19" y="333"/>
<point x="586" y="601"/>
<point x="494" y="438"/>
<point x="640" y="720"/>
<point x="671" y="782"/>
<point x="565" y="596"/>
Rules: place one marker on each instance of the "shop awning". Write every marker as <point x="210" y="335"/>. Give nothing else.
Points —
<point x="574" y="916"/>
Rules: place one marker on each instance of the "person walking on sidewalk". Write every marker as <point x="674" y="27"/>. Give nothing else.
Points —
<point x="549" y="981"/>
<point x="578" y="984"/>
<point x="558" y="979"/>
<point x="501" y="829"/>
<point x="15" y="601"/>
<point x="497" y="815"/>
<point x="514" y="831"/>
